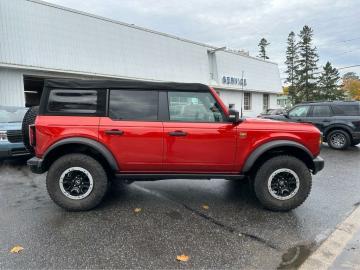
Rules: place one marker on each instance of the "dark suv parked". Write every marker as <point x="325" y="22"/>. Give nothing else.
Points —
<point x="339" y="121"/>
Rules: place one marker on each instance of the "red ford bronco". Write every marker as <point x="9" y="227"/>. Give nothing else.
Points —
<point x="88" y="133"/>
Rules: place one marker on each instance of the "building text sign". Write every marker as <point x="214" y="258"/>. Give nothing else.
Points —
<point x="233" y="80"/>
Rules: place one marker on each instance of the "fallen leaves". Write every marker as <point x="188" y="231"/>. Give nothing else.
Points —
<point x="182" y="258"/>
<point x="205" y="206"/>
<point x="16" y="249"/>
<point x="137" y="210"/>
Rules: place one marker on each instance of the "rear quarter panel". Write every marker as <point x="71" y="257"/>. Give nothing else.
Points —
<point x="50" y="129"/>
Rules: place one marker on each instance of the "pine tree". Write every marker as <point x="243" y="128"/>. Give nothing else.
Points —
<point x="306" y="66"/>
<point x="291" y="62"/>
<point x="328" y="84"/>
<point x="262" y="48"/>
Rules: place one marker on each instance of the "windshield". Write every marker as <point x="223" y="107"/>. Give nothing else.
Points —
<point x="12" y="114"/>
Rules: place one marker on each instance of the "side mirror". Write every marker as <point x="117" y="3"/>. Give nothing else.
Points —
<point x="286" y="114"/>
<point x="233" y="116"/>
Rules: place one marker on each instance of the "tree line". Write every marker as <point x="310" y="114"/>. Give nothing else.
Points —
<point x="305" y="81"/>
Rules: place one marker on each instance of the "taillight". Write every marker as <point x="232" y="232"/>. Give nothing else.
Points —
<point x="32" y="137"/>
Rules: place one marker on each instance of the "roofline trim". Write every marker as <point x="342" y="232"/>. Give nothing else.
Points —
<point x="262" y="91"/>
<point x="100" y="75"/>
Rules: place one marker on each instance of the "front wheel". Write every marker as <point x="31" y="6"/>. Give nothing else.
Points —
<point x="282" y="183"/>
<point x="76" y="182"/>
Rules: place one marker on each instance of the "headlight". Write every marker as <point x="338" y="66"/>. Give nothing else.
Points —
<point x="3" y="135"/>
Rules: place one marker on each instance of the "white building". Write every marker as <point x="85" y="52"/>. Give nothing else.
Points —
<point x="40" y="40"/>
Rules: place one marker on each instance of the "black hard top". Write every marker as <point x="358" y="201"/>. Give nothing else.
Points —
<point x="121" y="84"/>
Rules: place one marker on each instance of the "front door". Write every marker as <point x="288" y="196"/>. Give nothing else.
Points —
<point x="198" y="138"/>
<point x="299" y="113"/>
<point x="132" y="130"/>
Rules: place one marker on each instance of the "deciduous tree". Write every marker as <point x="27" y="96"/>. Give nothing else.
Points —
<point x="352" y="87"/>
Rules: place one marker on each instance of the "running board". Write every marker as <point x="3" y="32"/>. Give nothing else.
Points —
<point x="145" y="177"/>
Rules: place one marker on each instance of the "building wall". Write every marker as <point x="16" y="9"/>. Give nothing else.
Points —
<point x="11" y="87"/>
<point x="41" y="35"/>
<point x="235" y="97"/>
<point x="45" y="39"/>
<point x="261" y="76"/>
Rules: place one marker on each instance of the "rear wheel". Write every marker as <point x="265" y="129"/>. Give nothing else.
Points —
<point x="338" y="139"/>
<point x="76" y="182"/>
<point x="282" y="183"/>
<point x="29" y="119"/>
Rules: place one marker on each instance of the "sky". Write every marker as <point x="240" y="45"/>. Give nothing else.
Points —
<point x="239" y="24"/>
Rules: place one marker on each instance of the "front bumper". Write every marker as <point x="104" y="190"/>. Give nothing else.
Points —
<point x="9" y="151"/>
<point x="355" y="135"/>
<point x="36" y="165"/>
<point x="318" y="164"/>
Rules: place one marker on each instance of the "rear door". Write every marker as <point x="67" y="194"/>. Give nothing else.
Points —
<point x="132" y="130"/>
<point x="198" y="138"/>
<point x="320" y="116"/>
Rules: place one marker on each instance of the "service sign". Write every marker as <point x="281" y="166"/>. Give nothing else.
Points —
<point x="229" y="80"/>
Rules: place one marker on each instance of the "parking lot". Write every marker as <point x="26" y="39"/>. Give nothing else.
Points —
<point x="217" y="223"/>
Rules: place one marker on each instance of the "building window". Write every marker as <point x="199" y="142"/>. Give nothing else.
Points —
<point x="265" y="102"/>
<point x="247" y="101"/>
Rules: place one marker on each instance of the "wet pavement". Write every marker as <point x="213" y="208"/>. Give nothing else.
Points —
<point x="234" y="232"/>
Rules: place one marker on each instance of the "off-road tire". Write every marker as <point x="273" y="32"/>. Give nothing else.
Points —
<point x="97" y="172"/>
<point x="282" y="162"/>
<point x="29" y="119"/>
<point x="343" y="134"/>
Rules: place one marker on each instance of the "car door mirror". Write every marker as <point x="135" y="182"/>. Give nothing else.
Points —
<point x="233" y="116"/>
<point x="286" y="114"/>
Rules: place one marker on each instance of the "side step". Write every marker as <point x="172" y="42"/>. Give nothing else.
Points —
<point x="145" y="177"/>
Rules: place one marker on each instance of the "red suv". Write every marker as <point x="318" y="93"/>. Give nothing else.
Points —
<point x="88" y="133"/>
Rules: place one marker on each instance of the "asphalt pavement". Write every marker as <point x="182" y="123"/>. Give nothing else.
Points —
<point x="219" y="224"/>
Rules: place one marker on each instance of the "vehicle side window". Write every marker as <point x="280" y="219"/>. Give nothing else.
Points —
<point x="194" y="107"/>
<point x="134" y="105"/>
<point x="75" y="101"/>
<point x="321" y="111"/>
<point x="347" y="110"/>
<point x="300" y="111"/>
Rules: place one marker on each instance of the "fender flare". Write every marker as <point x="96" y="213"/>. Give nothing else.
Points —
<point x="337" y="126"/>
<point x="250" y="161"/>
<point x="105" y="152"/>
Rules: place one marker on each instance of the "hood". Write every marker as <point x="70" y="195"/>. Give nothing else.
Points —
<point x="270" y="124"/>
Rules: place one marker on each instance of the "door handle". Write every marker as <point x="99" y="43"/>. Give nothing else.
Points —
<point x="177" y="133"/>
<point x="114" y="132"/>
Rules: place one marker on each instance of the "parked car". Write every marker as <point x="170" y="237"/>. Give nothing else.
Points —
<point x="271" y="112"/>
<point x="90" y="132"/>
<point x="339" y="121"/>
<point x="11" y="143"/>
